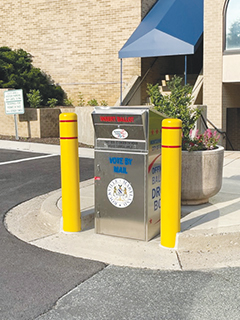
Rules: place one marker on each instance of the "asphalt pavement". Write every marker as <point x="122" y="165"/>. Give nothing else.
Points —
<point x="135" y="279"/>
<point x="33" y="279"/>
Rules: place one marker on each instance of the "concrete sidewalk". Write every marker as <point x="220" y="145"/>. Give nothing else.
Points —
<point x="42" y="148"/>
<point x="209" y="238"/>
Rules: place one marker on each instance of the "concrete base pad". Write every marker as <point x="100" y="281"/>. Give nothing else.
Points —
<point x="37" y="221"/>
<point x="209" y="238"/>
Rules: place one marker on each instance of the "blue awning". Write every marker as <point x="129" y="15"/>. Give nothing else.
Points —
<point x="172" y="27"/>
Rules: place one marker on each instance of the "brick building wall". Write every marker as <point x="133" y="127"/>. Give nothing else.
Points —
<point x="76" y="42"/>
<point x="212" y="68"/>
<point x="220" y="98"/>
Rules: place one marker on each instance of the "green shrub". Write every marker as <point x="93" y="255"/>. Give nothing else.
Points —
<point x="92" y="102"/>
<point x="81" y="101"/>
<point x="52" y="102"/>
<point x="34" y="98"/>
<point x="17" y="71"/>
<point x="103" y="103"/>
<point x="68" y="102"/>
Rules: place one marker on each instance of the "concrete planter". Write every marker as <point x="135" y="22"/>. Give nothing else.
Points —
<point x="201" y="175"/>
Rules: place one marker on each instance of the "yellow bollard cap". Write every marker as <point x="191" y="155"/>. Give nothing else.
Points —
<point x="68" y="126"/>
<point x="68" y="116"/>
<point x="171" y="133"/>
<point x="172" y="124"/>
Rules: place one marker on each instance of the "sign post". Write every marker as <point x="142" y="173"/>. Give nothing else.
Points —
<point x="13" y="100"/>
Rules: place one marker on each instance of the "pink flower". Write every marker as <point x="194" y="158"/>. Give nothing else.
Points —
<point x="215" y="135"/>
<point x="205" y="141"/>
<point x="208" y="133"/>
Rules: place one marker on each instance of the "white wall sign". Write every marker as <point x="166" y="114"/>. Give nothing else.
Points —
<point x="13" y="100"/>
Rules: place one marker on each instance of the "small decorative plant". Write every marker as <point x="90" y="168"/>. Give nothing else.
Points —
<point x="52" y="102"/>
<point x="104" y="103"/>
<point x="210" y="139"/>
<point x="81" y="101"/>
<point x="68" y="102"/>
<point x="92" y="103"/>
<point x="205" y="141"/>
<point x="34" y="98"/>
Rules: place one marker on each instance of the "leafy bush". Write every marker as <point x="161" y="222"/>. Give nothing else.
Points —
<point x="92" y="102"/>
<point x="81" y="101"/>
<point x="34" y="98"/>
<point x="17" y="71"/>
<point x="52" y="102"/>
<point x="104" y="103"/>
<point x="68" y="102"/>
<point x="177" y="104"/>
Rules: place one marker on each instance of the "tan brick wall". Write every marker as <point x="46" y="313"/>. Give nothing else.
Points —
<point x="76" y="42"/>
<point x="219" y="96"/>
<point x="212" y="69"/>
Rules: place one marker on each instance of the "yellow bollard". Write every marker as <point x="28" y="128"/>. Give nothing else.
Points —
<point x="70" y="172"/>
<point x="171" y="181"/>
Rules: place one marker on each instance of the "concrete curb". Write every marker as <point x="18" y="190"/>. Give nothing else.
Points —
<point x="51" y="210"/>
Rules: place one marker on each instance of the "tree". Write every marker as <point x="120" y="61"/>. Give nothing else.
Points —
<point x="233" y="36"/>
<point x="17" y="71"/>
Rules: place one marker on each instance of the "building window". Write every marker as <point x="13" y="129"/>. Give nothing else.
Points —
<point x="232" y="16"/>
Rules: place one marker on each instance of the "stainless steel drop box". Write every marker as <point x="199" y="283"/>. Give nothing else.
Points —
<point x="127" y="171"/>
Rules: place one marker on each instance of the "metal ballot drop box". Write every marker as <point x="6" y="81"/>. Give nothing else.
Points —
<point x="127" y="171"/>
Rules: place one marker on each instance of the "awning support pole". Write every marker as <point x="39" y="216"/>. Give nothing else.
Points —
<point x="121" y="70"/>
<point x="185" y="72"/>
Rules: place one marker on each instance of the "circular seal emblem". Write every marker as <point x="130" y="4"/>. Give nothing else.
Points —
<point x="120" y="193"/>
<point x="120" y="133"/>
